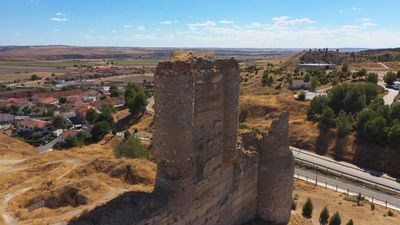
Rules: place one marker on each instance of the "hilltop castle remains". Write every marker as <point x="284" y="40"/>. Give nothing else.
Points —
<point x="207" y="172"/>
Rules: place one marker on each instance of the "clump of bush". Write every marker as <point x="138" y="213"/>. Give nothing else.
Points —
<point x="131" y="147"/>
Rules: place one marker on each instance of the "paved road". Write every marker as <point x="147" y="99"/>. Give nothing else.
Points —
<point x="390" y="96"/>
<point x="49" y="146"/>
<point x="384" y="66"/>
<point x="346" y="169"/>
<point x="332" y="182"/>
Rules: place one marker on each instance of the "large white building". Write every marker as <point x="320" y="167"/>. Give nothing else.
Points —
<point x="314" y="66"/>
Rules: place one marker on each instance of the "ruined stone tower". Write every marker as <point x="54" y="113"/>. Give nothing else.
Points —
<point x="206" y="174"/>
<point x="195" y="135"/>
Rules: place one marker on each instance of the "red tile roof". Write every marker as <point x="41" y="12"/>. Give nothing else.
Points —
<point x="69" y="133"/>
<point x="34" y="123"/>
<point x="114" y="100"/>
<point x="47" y="100"/>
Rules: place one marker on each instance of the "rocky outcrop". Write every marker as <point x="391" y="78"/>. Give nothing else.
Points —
<point x="206" y="174"/>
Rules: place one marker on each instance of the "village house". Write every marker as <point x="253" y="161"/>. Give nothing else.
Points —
<point x="6" y="118"/>
<point x="117" y="102"/>
<point x="315" y="66"/>
<point x="20" y="102"/>
<point x="58" y="94"/>
<point x="81" y="112"/>
<point x="48" y="100"/>
<point x="300" y="84"/>
<point x="32" y="125"/>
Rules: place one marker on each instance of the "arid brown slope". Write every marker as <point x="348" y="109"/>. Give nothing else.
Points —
<point x="14" y="148"/>
<point x="72" y="182"/>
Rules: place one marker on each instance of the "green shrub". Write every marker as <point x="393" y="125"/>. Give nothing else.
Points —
<point x="390" y="78"/>
<point x="294" y="204"/>
<point x="372" y="77"/>
<point x="301" y="96"/>
<point x="132" y="148"/>
<point x="74" y="141"/>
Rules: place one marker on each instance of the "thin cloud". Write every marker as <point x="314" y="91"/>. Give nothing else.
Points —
<point x="140" y="28"/>
<point x="56" y="30"/>
<point x="127" y="26"/>
<point x="59" y="17"/>
<point x="195" y="26"/>
<point x="168" y="22"/>
<point x="226" y="21"/>
<point x="287" y="22"/>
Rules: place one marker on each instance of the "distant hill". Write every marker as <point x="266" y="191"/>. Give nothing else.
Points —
<point x="380" y="55"/>
<point x="71" y="52"/>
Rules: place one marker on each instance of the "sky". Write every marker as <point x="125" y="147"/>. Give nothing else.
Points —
<point x="202" y="23"/>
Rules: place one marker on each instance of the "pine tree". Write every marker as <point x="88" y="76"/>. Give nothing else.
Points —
<point x="350" y="222"/>
<point x="308" y="208"/>
<point x="335" y="219"/>
<point x="324" y="216"/>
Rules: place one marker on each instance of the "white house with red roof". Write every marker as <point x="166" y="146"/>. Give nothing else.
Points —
<point x="32" y="125"/>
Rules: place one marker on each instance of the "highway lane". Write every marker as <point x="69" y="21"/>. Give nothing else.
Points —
<point x="352" y="188"/>
<point x="346" y="169"/>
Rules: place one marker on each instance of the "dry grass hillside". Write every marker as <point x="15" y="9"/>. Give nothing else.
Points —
<point x="71" y="182"/>
<point x="13" y="148"/>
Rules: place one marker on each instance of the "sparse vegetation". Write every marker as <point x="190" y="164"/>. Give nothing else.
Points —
<point x="132" y="148"/>
<point x="75" y="141"/>
<point x="35" y="77"/>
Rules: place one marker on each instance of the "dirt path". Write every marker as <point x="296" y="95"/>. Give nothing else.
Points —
<point x="384" y="66"/>
<point x="8" y="217"/>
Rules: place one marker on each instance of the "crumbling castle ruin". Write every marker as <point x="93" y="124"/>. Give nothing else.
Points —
<point x="206" y="174"/>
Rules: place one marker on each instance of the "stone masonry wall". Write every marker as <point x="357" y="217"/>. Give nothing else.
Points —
<point x="206" y="174"/>
<point x="276" y="169"/>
